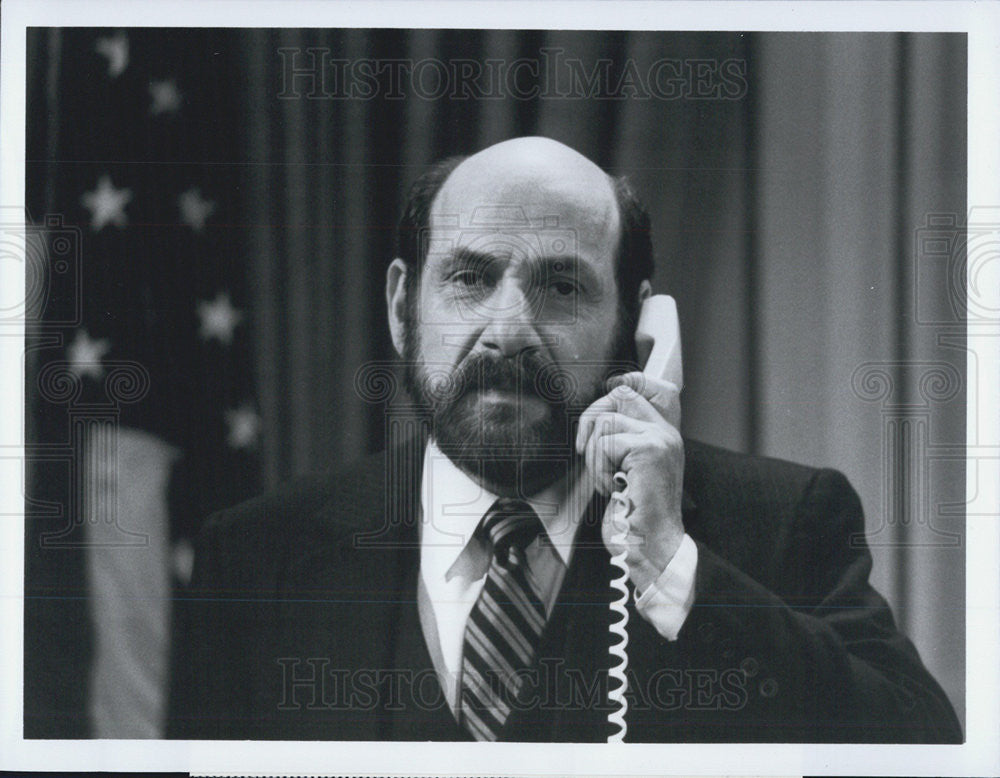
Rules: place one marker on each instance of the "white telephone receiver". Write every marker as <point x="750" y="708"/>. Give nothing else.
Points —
<point x="658" y="345"/>
<point x="658" y="339"/>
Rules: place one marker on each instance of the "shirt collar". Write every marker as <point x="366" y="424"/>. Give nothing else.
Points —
<point x="453" y="505"/>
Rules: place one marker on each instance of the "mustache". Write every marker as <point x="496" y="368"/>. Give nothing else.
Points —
<point x="528" y="374"/>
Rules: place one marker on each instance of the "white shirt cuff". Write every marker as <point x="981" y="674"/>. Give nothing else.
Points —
<point x="667" y="602"/>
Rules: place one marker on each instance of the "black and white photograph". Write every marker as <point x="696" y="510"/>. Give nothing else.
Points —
<point x="488" y="384"/>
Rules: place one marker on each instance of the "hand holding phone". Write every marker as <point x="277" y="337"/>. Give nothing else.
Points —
<point x="632" y="433"/>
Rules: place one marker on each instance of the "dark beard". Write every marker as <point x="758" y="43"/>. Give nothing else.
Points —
<point x="494" y="443"/>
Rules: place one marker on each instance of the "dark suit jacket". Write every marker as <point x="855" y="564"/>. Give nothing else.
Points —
<point x="302" y="622"/>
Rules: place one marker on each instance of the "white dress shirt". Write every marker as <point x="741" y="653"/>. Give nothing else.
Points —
<point x="453" y="564"/>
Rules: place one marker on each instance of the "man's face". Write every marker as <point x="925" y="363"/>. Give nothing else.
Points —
<point x="515" y="324"/>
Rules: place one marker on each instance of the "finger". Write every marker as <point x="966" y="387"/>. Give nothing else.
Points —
<point x="663" y="395"/>
<point x="618" y="531"/>
<point x="587" y="419"/>
<point x="646" y="385"/>
<point x="612" y="422"/>
<point x="615" y="529"/>
<point x="609" y="455"/>
<point x="629" y="402"/>
<point x="606" y="454"/>
<point x="635" y="379"/>
<point x="630" y="408"/>
<point x="592" y="457"/>
<point x="601" y="459"/>
<point x="627" y="397"/>
<point x="623" y="400"/>
<point x="609" y="424"/>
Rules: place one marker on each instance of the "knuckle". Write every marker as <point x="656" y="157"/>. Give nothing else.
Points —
<point x="605" y="422"/>
<point x="673" y="437"/>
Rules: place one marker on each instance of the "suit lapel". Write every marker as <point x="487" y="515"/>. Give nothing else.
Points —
<point x="336" y="614"/>
<point x="422" y="712"/>
<point x="353" y="600"/>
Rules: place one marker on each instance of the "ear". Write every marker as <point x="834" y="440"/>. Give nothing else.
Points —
<point x="395" y="299"/>
<point x="645" y="291"/>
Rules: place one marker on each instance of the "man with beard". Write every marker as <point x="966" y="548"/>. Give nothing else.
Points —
<point x="456" y="586"/>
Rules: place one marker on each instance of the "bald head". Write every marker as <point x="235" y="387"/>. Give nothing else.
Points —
<point x="533" y="174"/>
<point x="535" y="185"/>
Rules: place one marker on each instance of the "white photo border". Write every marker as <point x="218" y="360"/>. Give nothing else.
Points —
<point x="979" y="755"/>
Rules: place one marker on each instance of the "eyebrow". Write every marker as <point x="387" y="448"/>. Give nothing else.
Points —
<point x="570" y="264"/>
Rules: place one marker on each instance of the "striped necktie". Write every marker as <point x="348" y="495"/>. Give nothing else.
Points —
<point x="501" y="636"/>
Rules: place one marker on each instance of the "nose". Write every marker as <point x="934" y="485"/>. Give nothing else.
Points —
<point x="511" y="326"/>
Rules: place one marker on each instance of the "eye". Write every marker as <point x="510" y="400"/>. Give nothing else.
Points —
<point x="466" y="278"/>
<point x="563" y="287"/>
<point x="468" y="283"/>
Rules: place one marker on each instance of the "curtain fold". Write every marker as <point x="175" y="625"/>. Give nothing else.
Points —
<point x="932" y="573"/>
<point x="859" y="140"/>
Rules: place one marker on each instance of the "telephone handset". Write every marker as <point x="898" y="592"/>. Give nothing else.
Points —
<point x="658" y="345"/>
<point x="658" y="339"/>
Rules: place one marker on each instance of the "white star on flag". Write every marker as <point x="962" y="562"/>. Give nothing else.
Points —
<point x="166" y="97"/>
<point x="106" y="204"/>
<point x="85" y="355"/>
<point x="195" y="209"/>
<point x="116" y="51"/>
<point x="244" y="427"/>
<point x="218" y="318"/>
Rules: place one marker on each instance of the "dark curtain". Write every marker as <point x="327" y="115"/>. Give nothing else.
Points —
<point x="859" y="301"/>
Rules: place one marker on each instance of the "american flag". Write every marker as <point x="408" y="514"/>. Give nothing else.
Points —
<point x="141" y="416"/>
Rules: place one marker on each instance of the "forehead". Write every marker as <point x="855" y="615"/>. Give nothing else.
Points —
<point x="570" y="204"/>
